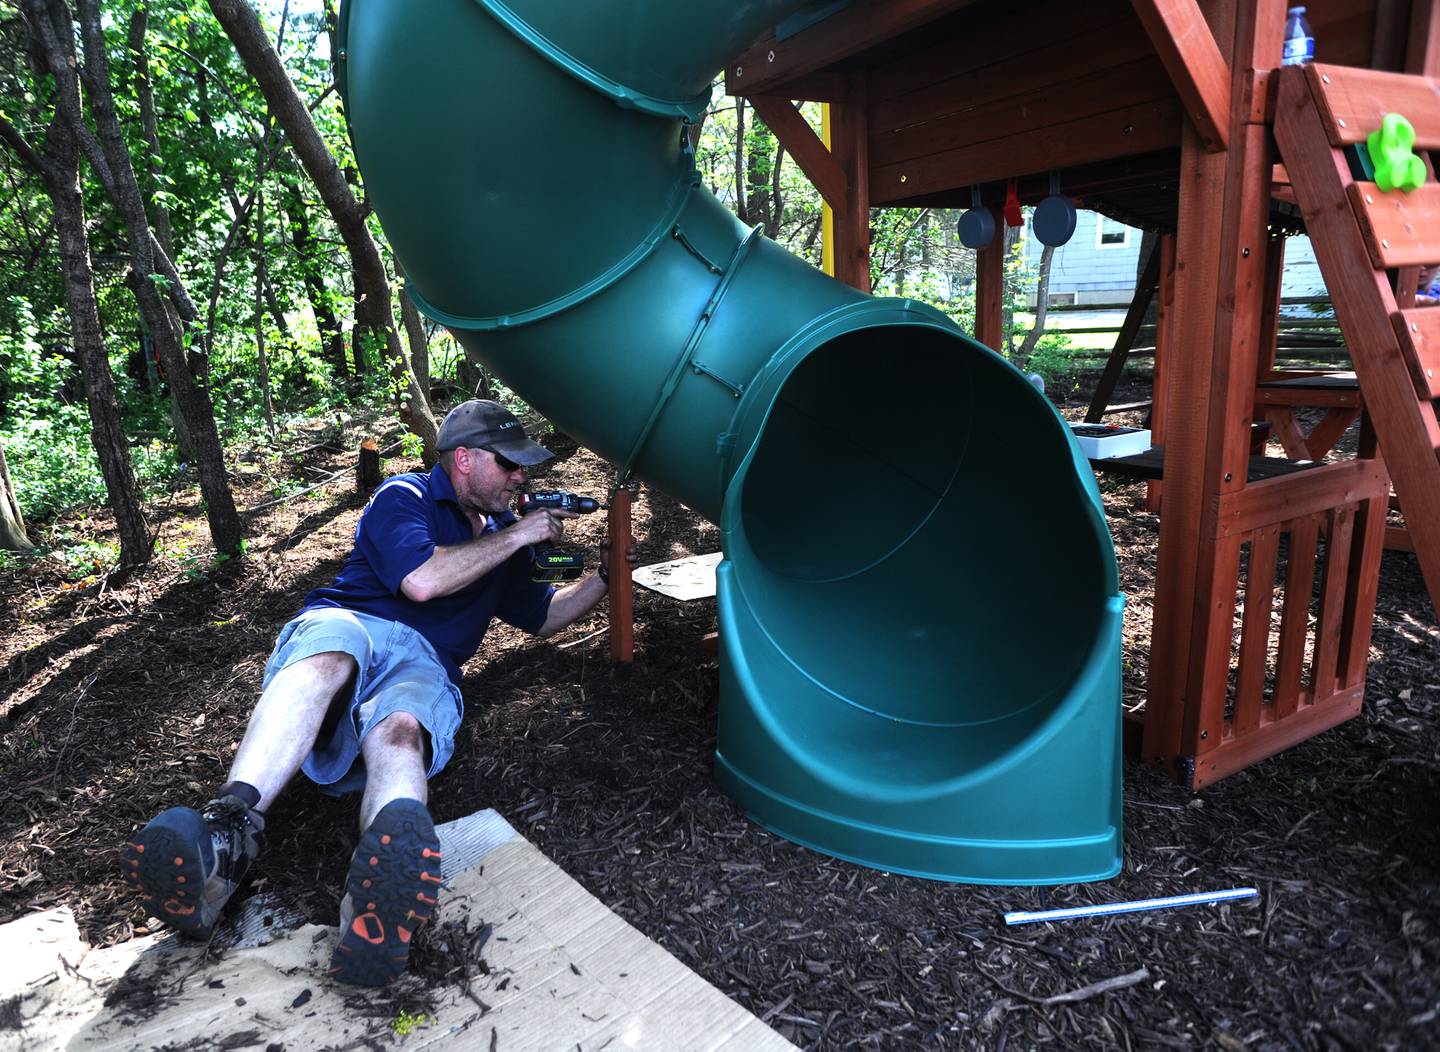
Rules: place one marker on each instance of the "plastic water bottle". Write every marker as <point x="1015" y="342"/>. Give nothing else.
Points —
<point x="1299" y="43"/>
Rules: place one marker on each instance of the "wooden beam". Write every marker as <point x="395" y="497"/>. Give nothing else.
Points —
<point x="801" y="142"/>
<point x="1287" y="497"/>
<point x="1201" y="76"/>
<point x="850" y="146"/>
<point x="1034" y="145"/>
<point x="769" y="63"/>
<point x="990" y="288"/>
<point x="966" y="74"/>
<point x="1188" y="364"/>
<point x="1332" y="427"/>
<point x="622" y="591"/>
<point x="1134" y="318"/>
<point x="1277" y="736"/>
<point x="1164" y="334"/>
<point x="1098" y="92"/>
<point x="1423" y="53"/>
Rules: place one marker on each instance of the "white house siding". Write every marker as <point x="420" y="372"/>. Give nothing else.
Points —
<point x="1085" y="272"/>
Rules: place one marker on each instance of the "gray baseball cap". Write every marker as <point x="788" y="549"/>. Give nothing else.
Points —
<point x="482" y="424"/>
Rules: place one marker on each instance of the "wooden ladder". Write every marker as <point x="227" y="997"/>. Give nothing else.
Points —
<point x="1364" y="240"/>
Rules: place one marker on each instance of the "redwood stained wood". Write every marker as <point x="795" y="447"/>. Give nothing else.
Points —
<point x="1182" y="39"/>
<point x="850" y="137"/>
<point x="963" y="84"/>
<point x="622" y="592"/>
<point x="1352" y="102"/>
<point x="1331" y="429"/>
<point x="1398" y="539"/>
<point x="1003" y="36"/>
<point x="1134" y="318"/>
<point x="800" y="140"/>
<point x="1230" y="367"/>
<point x="1033" y="146"/>
<point x="1286" y="429"/>
<point x="1188" y="365"/>
<point x="1164" y="330"/>
<point x="1255" y="629"/>
<point x="1295" y="621"/>
<point x="1213" y="640"/>
<point x="1364" y="303"/>
<point x="1133" y="83"/>
<point x="1339" y="397"/>
<point x="769" y="63"/>
<point x="1400" y="229"/>
<point x="1276" y="736"/>
<point x="1418" y="330"/>
<point x="1369" y="547"/>
<point x="990" y="288"/>
<point x="1270" y="306"/>
<point x="1423" y="52"/>
<point x="816" y="87"/>
<point x="1324" y="668"/>
<point x="1302" y="493"/>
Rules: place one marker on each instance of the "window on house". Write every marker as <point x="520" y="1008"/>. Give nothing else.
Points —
<point x="1111" y="234"/>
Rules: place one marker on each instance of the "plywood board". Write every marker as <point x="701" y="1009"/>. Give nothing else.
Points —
<point x="563" y="972"/>
<point x="683" y="579"/>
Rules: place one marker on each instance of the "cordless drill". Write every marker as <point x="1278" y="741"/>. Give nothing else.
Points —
<point x="557" y="565"/>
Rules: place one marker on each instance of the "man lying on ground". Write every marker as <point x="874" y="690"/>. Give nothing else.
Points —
<point x="362" y="692"/>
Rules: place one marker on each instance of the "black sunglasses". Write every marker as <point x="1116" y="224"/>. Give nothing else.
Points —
<point x="506" y="464"/>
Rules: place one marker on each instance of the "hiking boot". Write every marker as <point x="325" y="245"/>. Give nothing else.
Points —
<point x="188" y="863"/>
<point x="392" y="887"/>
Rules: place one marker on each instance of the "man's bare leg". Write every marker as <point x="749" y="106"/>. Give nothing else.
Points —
<point x="394" y="878"/>
<point x="394" y="753"/>
<point x="287" y="720"/>
<point x="187" y="863"/>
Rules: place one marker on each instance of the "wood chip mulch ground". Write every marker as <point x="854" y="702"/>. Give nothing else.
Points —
<point x="118" y="701"/>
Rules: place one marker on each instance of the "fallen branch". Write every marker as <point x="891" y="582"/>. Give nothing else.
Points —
<point x="1104" y="986"/>
<point x="312" y="488"/>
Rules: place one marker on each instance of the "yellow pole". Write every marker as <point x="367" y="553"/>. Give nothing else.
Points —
<point x="827" y="217"/>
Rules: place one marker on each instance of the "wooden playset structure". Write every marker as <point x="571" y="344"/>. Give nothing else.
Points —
<point x="1172" y="115"/>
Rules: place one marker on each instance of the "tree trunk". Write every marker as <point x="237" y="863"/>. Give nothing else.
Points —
<point x="419" y="343"/>
<point x="146" y="96"/>
<point x="242" y="25"/>
<point x="149" y="265"/>
<point x="60" y="169"/>
<point x="260" y="312"/>
<point x="12" y="523"/>
<point x="332" y="337"/>
<point x="1042" y="307"/>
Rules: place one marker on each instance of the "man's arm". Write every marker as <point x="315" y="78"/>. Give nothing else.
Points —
<point x="452" y="567"/>
<point x="573" y="602"/>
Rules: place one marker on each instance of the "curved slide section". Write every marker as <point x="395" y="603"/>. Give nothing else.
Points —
<point x="919" y="606"/>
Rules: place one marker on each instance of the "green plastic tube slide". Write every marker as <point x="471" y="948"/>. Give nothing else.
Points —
<point x="918" y="601"/>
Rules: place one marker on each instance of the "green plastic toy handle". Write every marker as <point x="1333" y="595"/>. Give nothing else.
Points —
<point x="1396" y="166"/>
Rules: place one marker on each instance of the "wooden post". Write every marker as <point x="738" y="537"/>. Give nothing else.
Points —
<point x="1224" y="205"/>
<point x="367" y="466"/>
<point x="622" y="594"/>
<point x="850" y="143"/>
<point x="1164" y="335"/>
<point x="990" y="289"/>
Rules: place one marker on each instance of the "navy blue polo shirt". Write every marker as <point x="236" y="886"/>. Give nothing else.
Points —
<point x="405" y="520"/>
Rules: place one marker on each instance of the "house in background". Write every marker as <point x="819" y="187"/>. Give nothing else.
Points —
<point x="1098" y="264"/>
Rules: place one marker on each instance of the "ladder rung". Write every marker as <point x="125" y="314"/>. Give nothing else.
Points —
<point x="1419" y="332"/>
<point x="1353" y="100"/>
<point x="1400" y="229"/>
